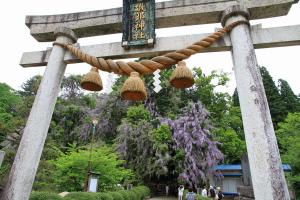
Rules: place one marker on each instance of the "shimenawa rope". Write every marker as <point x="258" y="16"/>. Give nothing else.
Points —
<point x="149" y="66"/>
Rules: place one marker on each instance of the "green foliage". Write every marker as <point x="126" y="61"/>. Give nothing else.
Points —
<point x="9" y="99"/>
<point x="82" y="196"/>
<point x="235" y="98"/>
<point x="276" y="103"/>
<point x="71" y="169"/>
<point x="231" y="145"/>
<point x="133" y="195"/>
<point x="137" y="113"/>
<point x="116" y="195"/>
<point x="124" y="194"/>
<point x="90" y="101"/>
<point x="44" y="180"/>
<point x="66" y="121"/>
<point x="137" y="193"/>
<point x="205" y="91"/>
<point x="135" y="146"/>
<point x="31" y="86"/>
<point x="71" y="88"/>
<point x="288" y="131"/>
<point x="199" y="197"/>
<point x="229" y="133"/>
<point x="144" y="190"/>
<point x="288" y="135"/>
<point x="104" y="196"/>
<point x="162" y="134"/>
<point x="291" y="101"/>
<point x="168" y="100"/>
<point x="9" y="119"/>
<point x="45" y="196"/>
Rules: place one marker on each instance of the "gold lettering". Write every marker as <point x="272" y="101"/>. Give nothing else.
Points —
<point x="140" y="25"/>
<point x="139" y="16"/>
<point x="138" y="35"/>
<point x="139" y="7"/>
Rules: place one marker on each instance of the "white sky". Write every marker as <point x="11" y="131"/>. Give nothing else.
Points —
<point x="15" y="38"/>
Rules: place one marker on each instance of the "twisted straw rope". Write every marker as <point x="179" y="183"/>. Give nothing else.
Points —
<point x="158" y="62"/>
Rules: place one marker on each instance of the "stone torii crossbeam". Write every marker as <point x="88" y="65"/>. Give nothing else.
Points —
<point x="264" y="159"/>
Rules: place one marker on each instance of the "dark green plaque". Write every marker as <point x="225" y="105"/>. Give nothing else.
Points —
<point x="138" y="23"/>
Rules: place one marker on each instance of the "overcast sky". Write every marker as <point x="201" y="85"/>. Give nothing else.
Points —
<point x="15" y="38"/>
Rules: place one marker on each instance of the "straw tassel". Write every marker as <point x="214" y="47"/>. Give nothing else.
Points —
<point x="134" y="88"/>
<point x="92" y="80"/>
<point x="182" y="76"/>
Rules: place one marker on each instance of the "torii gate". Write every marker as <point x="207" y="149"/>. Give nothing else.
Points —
<point x="265" y="163"/>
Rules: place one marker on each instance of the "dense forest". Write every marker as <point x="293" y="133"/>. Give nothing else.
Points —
<point x="175" y="136"/>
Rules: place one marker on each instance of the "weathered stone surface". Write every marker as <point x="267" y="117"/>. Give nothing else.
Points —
<point x="26" y="161"/>
<point x="246" y="170"/>
<point x="265" y="164"/>
<point x="2" y="153"/>
<point x="262" y="38"/>
<point x="168" y="14"/>
<point x="245" y="191"/>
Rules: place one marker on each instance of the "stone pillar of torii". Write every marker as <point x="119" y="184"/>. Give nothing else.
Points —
<point x="264" y="159"/>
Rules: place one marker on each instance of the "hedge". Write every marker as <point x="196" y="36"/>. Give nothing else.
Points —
<point x="124" y="194"/>
<point x="104" y="196"/>
<point x="81" y="196"/>
<point x="116" y="195"/>
<point x="133" y="195"/>
<point x="137" y="193"/>
<point x="44" y="196"/>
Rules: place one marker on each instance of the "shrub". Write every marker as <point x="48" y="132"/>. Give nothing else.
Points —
<point x="44" y="196"/>
<point x="138" y="192"/>
<point x="199" y="197"/>
<point x="70" y="167"/>
<point x="132" y="195"/>
<point x="81" y="196"/>
<point x="116" y="196"/>
<point x="104" y="196"/>
<point x="145" y="190"/>
<point x="125" y="194"/>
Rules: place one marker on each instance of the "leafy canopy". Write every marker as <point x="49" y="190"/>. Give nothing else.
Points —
<point x="71" y="169"/>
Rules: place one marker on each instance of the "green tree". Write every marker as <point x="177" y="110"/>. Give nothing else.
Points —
<point x="133" y="141"/>
<point x="291" y="101"/>
<point x="9" y="103"/>
<point x="31" y="86"/>
<point x="71" y="169"/>
<point x="66" y="121"/>
<point x="230" y="134"/>
<point x="231" y="145"/>
<point x="44" y="178"/>
<point x="288" y="135"/>
<point x="276" y="103"/>
<point x="235" y="98"/>
<point x="168" y="100"/>
<point x="71" y="87"/>
<point x="205" y="90"/>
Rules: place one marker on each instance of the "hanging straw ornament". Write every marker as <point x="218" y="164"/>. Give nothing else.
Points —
<point x="182" y="76"/>
<point x="92" y="80"/>
<point x="134" y="88"/>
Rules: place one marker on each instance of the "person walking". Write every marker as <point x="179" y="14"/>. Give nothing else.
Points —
<point x="167" y="190"/>
<point x="212" y="192"/>
<point x="190" y="195"/>
<point x="219" y="193"/>
<point x="180" y="192"/>
<point x="204" y="192"/>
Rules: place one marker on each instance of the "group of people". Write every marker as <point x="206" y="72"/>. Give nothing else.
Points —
<point x="213" y="193"/>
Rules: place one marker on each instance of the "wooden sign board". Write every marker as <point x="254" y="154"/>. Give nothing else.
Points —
<point x="138" y="23"/>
